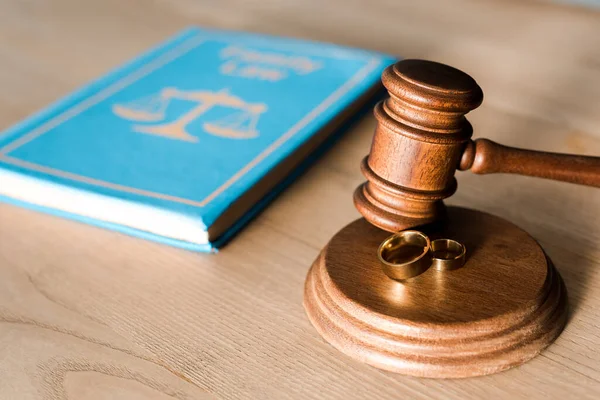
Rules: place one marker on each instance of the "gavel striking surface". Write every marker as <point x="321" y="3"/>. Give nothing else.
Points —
<point x="501" y="309"/>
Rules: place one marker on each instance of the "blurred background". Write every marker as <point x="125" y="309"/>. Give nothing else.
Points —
<point x="533" y="58"/>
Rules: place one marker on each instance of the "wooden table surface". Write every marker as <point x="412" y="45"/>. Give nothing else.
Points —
<point x="86" y="313"/>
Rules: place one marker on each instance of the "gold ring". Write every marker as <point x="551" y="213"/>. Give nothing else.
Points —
<point x="447" y="254"/>
<point x="405" y="255"/>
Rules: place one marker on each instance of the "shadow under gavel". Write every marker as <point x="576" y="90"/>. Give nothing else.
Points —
<point x="422" y="137"/>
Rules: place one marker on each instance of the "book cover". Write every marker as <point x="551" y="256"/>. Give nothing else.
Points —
<point x="183" y="144"/>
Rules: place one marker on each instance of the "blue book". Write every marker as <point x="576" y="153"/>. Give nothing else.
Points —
<point x="186" y="142"/>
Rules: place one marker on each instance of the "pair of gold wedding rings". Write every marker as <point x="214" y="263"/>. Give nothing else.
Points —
<point x="407" y="254"/>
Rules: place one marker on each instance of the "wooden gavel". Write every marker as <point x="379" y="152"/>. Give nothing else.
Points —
<point x="422" y="137"/>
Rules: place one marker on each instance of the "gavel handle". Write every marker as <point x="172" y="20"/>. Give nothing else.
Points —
<point x="484" y="156"/>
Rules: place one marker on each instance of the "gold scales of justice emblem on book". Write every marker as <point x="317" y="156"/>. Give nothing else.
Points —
<point x="238" y="124"/>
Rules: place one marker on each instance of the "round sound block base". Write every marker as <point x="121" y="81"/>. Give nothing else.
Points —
<point x="504" y="306"/>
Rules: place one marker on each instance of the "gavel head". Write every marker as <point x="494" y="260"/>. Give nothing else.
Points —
<point x="419" y="139"/>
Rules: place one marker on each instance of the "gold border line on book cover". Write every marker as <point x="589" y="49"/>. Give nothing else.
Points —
<point x="148" y="68"/>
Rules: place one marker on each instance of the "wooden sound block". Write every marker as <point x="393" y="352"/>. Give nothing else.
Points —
<point x="504" y="306"/>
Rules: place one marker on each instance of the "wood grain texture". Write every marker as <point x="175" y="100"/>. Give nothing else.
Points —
<point x="232" y="324"/>
<point x="501" y="309"/>
<point x="484" y="156"/>
<point x="417" y="145"/>
<point x="422" y="137"/>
